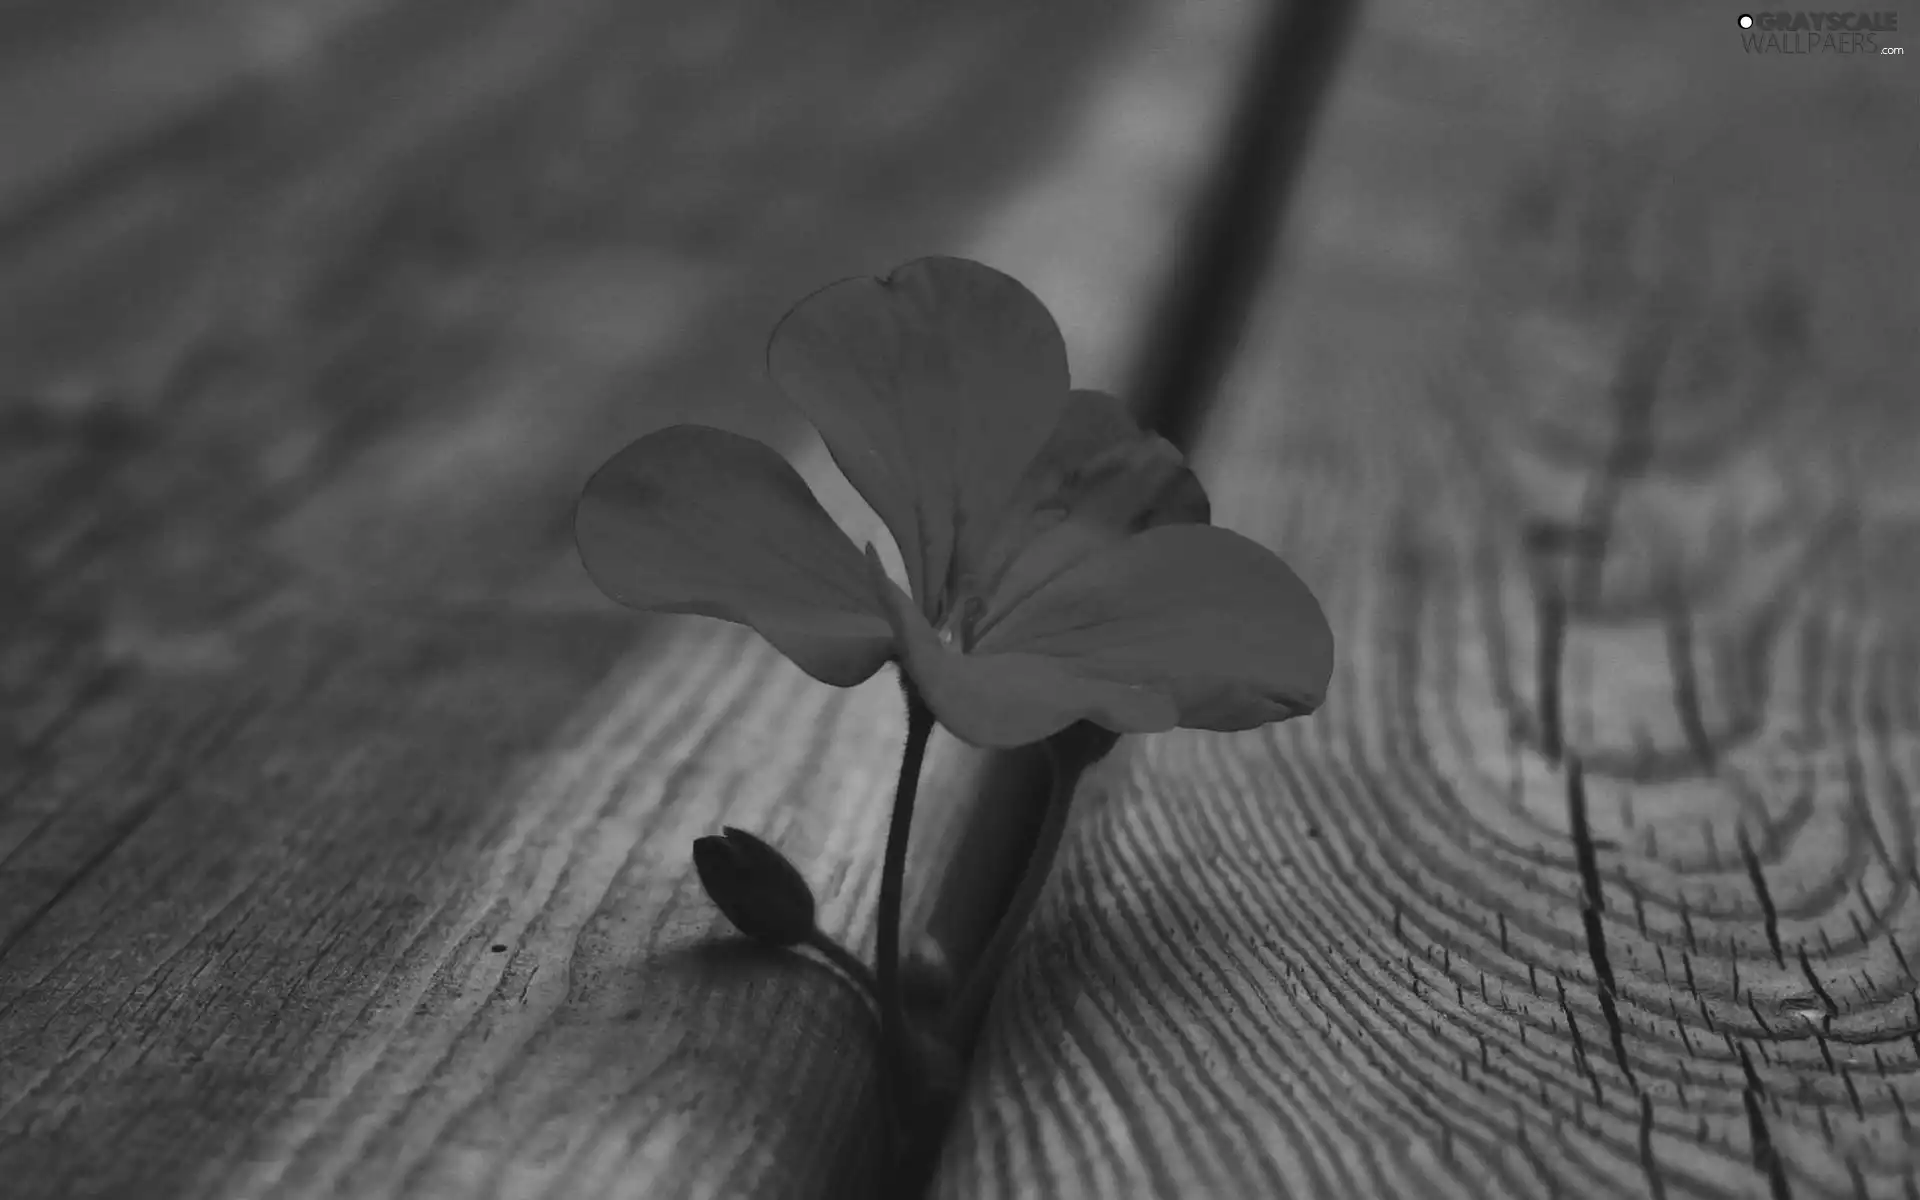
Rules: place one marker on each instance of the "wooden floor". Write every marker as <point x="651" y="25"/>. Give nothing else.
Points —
<point x="343" y="830"/>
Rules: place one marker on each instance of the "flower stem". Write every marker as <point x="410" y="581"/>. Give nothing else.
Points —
<point x="849" y="963"/>
<point x="896" y="1055"/>
<point x="964" y="1013"/>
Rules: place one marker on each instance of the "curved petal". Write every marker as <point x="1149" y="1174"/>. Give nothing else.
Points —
<point x="1212" y="618"/>
<point x="696" y="520"/>
<point x="1010" y="699"/>
<point x="1098" y="479"/>
<point x="933" y="388"/>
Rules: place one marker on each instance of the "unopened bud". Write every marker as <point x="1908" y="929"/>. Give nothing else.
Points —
<point x="762" y="893"/>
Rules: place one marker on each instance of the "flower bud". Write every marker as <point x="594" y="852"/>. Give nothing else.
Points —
<point x="756" y="887"/>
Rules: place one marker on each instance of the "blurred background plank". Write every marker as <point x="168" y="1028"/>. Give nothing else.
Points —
<point x="1588" y="413"/>
<point x="344" y="828"/>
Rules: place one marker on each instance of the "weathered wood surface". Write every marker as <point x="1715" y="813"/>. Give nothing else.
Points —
<point x="1596" y="876"/>
<point x="344" y="832"/>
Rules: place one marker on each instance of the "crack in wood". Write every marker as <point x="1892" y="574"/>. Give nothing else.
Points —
<point x="1769" y="917"/>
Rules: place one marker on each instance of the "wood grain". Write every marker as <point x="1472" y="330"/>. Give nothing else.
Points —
<point x="344" y="833"/>
<point x="1582" y="409"/>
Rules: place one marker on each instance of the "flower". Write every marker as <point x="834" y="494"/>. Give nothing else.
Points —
<point x="1059" y="562"/>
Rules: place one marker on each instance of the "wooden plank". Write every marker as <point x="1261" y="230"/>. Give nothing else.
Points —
<point x="343" y="847"/>
<point x="1552" y="271"/>
<point x="83" y="83"/>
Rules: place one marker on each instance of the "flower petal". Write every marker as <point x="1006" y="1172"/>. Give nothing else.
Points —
<point x="1212" y="618"/>
<point x="696" y="520"/>
<point x="933" y="388"/>
<point x="1009" y="699"/>
<point x="1098" y="479"/>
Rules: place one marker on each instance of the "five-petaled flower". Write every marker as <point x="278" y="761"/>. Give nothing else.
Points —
<point x="1060" y="561"/>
